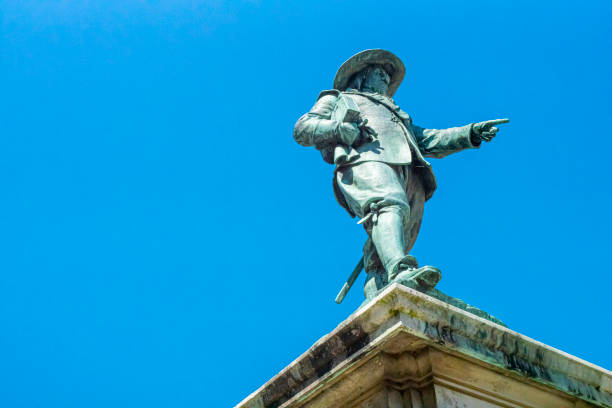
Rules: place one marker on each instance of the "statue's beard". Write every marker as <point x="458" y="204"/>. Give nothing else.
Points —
<point x="375" y="89"/>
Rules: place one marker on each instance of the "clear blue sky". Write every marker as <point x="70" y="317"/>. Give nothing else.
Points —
<point x="166" y="243"/>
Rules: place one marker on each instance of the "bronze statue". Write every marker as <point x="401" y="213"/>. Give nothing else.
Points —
<point x="381" y="174"/>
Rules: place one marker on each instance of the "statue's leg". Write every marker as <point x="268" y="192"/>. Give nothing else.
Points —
<point x="426" y="277"/>
<point x="374" y="191"/>
<point x="376" y="277"/>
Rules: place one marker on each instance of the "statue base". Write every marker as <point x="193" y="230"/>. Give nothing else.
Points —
<point x="407" y="349"/>
<point x="438" y="294"/>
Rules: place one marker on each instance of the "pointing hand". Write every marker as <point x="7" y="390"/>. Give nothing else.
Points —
<point x="486" y="130"/>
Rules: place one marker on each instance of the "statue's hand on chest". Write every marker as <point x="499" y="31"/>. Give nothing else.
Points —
<point x="356" y="134"/>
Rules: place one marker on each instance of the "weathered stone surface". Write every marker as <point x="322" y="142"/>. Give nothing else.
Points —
<point x="407" y="349"/>
<point x="458" y="303"/>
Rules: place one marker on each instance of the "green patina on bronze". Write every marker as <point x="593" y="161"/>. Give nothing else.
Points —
<point x="381" y="174"/>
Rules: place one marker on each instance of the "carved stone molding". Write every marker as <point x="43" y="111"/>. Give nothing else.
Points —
<point x="406" y="349"/>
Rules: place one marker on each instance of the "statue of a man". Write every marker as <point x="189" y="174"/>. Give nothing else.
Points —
<point x="381" y="175"/>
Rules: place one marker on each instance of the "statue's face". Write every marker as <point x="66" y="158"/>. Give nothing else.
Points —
<point x="377" y="81"/>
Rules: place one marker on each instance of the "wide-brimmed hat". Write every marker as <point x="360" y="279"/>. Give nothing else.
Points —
<point x="369" y="57"/>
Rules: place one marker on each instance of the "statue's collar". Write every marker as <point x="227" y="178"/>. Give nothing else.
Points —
<point x="384" y="99"/>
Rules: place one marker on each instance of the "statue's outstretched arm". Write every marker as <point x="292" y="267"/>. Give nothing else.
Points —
<point x="439" y="143"/>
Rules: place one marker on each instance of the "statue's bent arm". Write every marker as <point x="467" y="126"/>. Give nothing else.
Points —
<point x="440" y="143"/>
<point x="316" y="128"/>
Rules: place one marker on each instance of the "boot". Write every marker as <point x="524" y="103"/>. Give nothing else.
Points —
<point x="388" y="237"/>
<point x="376" y="278"/>
<point x="421" y="279"/>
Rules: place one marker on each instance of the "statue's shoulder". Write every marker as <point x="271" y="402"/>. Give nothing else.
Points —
<point x="332" y="92"/>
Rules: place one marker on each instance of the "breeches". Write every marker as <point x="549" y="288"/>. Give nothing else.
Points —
<point x="370" y="188"/>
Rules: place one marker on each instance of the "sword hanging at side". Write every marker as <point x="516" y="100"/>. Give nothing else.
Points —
<point x="350" y="281"/>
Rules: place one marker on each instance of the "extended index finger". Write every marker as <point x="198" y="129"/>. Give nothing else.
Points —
<point x="496" y="121"/>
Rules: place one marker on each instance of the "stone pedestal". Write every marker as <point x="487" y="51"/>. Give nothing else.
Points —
<point x="405" y="349"/>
